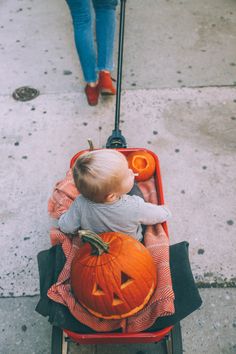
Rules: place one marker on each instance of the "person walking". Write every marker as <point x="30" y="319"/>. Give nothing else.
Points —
<point x="96" y="61"/>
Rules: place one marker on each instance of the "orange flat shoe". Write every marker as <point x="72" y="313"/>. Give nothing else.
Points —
<point x="105" y="84"/>
<point x="92" y="94"/>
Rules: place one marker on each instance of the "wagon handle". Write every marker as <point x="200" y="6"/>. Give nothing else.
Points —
<point x="117" y="140"/>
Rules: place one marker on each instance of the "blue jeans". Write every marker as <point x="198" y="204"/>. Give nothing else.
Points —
<point x="101" y="58"/>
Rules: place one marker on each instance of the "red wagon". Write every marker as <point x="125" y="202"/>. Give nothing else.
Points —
<point x="170" y="336"/>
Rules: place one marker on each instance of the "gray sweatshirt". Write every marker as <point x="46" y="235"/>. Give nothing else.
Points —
<point x="124" y="215"/>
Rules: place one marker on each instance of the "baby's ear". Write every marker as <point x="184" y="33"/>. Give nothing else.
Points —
<point x="111" y="197"/>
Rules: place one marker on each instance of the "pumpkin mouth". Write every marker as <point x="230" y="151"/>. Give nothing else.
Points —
<point x="140" y="163"/>
<point x="118" y="302"/>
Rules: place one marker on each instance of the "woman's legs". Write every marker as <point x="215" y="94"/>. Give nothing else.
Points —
<point x="84" y="38"/>
<point x="105" y="34"/>
<point x="84" y="41"/>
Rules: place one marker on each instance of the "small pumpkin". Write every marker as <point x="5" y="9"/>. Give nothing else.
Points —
<point x="142" y="163"/>
<point x="112" y="275"/>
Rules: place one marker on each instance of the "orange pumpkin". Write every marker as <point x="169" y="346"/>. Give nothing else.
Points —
<point x="142" y="163"/>
<point x="112" y="276"/>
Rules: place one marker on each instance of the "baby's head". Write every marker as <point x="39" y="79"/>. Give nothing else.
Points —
<point x="102" y="175"/>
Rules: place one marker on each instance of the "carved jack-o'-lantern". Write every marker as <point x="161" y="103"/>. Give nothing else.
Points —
<point x="112" y="276"/>
<point x="142" y="163"/>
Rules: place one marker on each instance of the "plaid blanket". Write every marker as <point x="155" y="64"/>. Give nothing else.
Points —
<point x="155" y="240"/>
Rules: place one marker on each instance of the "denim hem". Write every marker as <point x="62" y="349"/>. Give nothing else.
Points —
<point x="91" y="81"/>
<point x="108" y="68"/>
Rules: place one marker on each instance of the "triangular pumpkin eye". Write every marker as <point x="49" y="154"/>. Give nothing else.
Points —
<point x="116" y="300"/>
<point x="125" y="280"/>
<point x="97" y="290"/>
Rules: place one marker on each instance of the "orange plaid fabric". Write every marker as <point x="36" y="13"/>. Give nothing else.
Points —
<point x="155" y="240"/>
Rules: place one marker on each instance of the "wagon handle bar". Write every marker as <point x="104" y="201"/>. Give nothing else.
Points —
<point x="117" y="140"/>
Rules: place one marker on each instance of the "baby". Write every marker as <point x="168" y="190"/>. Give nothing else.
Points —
<point x="103" y="178"/>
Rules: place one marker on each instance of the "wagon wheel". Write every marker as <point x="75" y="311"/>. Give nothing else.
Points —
<point x="173" y="342"/>
<point x="59" y="344"/>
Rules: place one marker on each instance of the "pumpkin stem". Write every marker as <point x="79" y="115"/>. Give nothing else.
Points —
<point x="96" y="242"/>
<point x="91" y="147"/>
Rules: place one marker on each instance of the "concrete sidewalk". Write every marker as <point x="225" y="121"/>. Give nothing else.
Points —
<point x="210" y="329"/>
<point x="179" y="94"/>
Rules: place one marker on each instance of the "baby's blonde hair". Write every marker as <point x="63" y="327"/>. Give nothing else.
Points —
<point x="98" y="173"/>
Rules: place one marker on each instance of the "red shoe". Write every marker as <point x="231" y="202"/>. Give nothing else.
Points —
<point x="92" y="94"/>
<point x="105" y="84"/>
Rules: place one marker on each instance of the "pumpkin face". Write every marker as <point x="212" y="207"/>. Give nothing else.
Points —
<point x="117" y="283"/>
<point x="142" y="163"/>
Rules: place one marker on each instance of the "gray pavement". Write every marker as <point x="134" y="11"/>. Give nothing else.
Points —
<point x="179" y="100"/>
<point x="210" y="329"/>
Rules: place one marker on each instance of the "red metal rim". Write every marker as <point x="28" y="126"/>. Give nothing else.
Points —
<point x="106" y="338"/>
